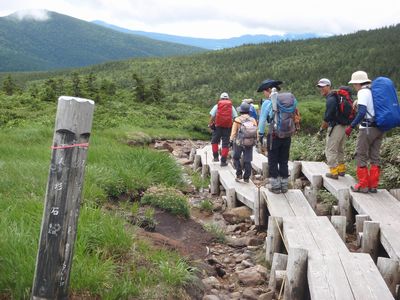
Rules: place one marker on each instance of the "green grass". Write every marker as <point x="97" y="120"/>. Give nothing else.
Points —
<point x="167" y="199"/>
<point x="109" y="260"/>
<point x="207" y="206"/>
<point x="216" y="231"/>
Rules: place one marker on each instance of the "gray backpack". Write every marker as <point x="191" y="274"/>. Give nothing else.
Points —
<point x="247" y="135"/>
<point x="285" y="125"/>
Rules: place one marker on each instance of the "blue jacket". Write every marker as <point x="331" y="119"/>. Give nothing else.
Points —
<point x="266" y="110"/>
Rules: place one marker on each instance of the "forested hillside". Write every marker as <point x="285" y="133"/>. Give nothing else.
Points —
<point x="299" y="64"/>
<point x="64" y="42"/>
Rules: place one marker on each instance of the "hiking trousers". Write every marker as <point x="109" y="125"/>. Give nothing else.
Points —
<point x="278" y="156"/>
<point x="334" y="149"/>
<point x="247" y="152"/>
<point x="369" y="141"/>
<point x="221" y="133"/>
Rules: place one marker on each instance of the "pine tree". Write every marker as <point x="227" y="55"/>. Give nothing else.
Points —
<point x="76" y="88"/>
<point x="9" y="86"/>
<point x="139" y="88"/>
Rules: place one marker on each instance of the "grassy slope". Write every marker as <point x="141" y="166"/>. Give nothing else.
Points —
<point x="109" y="260"/>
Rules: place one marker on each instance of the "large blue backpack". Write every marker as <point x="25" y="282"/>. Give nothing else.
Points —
<point x="386" y="104"/>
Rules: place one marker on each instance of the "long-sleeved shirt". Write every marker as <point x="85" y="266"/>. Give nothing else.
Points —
<point x="266" y="110"/>
<point x="237" y="122"/>
<point x="331" y="110"/>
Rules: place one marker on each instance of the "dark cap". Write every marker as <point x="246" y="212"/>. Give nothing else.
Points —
<point x="269" y="83"/>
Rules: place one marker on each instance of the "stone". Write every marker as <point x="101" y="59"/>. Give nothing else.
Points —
<point x="255" y="241"/>
<point x="184" y="161"/>
<point x="237" y="215"/>
<point x="249" y="294"/>
<point x="236" y="242"/>
<point x="266" y="296"/>
<point x="211" y="297"/>
<point x="232" y="228"/>
<point x="250" y="277"/>
<point x="211" y="282"/>
<point x="247" y="263"/>
<point x="235" y="296"/>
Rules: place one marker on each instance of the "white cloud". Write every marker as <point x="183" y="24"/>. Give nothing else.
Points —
<point x="35" y="14"/>
<point x="227" y="18"/>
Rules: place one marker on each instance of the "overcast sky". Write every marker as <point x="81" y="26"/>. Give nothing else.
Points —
<point x="225" y="18"/>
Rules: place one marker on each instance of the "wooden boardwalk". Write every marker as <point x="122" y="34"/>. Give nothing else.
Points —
<point x="332" y="272"/>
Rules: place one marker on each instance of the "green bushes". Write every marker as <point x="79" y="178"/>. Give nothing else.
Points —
<point x="167" y="199"/>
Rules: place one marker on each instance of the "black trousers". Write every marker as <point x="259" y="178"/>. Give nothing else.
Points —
<point x="278" y="156"/>
<point x="247" y="158"/>
<point x="221" y="133"/>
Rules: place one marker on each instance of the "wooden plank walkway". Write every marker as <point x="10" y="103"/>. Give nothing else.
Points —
<point x="332" y="271"/>
<point x="382" y="207"/>
<point x="292" y="203"/>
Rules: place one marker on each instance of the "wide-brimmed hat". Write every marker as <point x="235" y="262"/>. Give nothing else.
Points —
<point x="248" y="100"/>
<point x="359" y="77"/>
<point x="269" y="83"/>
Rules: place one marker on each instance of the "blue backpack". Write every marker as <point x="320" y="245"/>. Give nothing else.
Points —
<point x="386" y="104"/>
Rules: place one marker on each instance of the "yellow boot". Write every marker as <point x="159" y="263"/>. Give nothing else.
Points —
<point x="341" y="169"/>
<point x="333" y="173"/>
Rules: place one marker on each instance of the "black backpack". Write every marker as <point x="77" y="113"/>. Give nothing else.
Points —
<point x="345" y="112"/>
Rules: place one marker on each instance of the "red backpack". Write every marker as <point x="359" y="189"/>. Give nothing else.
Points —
<point x="346" y="111"/>
<point x="223" y="117"/>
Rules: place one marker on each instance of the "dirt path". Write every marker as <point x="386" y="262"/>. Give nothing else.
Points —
<point x="229" y="255"/>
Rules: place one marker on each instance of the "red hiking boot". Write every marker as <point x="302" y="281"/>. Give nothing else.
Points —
<point x="374" y="173"/>
<point x="363" y="182"/>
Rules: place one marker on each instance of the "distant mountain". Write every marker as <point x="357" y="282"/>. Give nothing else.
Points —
<point x="212" y="44"/>
<point x="48" y="40"/>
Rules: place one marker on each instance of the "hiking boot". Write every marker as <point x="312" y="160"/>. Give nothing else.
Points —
<point x="215" y="159"/>
<point x="275" y="185"/>
<point x="239" y="177"/>
<point x="373" y="182"/>
<point x="333" y="173"/>
<point x="284" y="185"/>
<point x="363" y="179"/>
<point x="223" y="163"/>
<point x="341" y="169"/>
<point x="246" y="180"/>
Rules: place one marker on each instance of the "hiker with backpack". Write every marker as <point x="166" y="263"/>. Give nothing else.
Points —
<point x="339" y="113"/>
<point x="243" y="138"/>
<point x="279" y="110"/>
<point x="221" y="119"/>
<point x="253" y="108"/>
<point x="378" y="111"/>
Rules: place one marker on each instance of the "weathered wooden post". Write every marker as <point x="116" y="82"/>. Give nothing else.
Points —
<point x="296" y="274"/>
<point x="214" y="182"/>
<point x="61" y="210"/>
<point x="339" y="222"/>
<point x="370" y="239"/>
<point x="274" y="239"/>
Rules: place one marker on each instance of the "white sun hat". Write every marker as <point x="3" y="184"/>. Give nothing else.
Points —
<point x="359" y="77"/>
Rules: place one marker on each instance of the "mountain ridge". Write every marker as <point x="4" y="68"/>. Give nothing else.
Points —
<point x="62" y="41"/>
<point x="209" y="43"/>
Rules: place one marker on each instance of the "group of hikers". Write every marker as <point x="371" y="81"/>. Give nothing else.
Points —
<point x="278" y="111"/>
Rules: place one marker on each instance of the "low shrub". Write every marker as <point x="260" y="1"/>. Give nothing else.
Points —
<point x="168" y="199"/>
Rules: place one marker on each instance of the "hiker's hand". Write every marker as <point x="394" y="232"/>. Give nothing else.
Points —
<point x="319" y="134"/>
<point x="230" y="144"/>
<point x="261" y="138"/>
<point x="348" y="130"/>
<point x="211" y="126"/>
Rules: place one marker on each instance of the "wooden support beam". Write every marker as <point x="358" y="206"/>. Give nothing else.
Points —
<point x="370" y="239"/>
<point x="295" y="172"/>
<point x="296" y="273"/>
<point x="214" y="182"/>
<point x="345" y="208"/>
<point x="339" y="222"/>
<point x="360" y="219"/>
<point x="231" y="201"/>
<point x="279" y="262"/>
<point x="205" y="170"/>
<point x="274" y="239"/>
<point x="279" y="278"/>
<point x="265" y="169"/>
<point x="63" y="198"/>
<point x="311" y="196"/>
<point x="389" y="268"/>
<point x="192" y="154"/>
<point x="197" y="162"/>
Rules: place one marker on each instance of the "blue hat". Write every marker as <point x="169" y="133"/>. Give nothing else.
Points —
<point x="269" y="83"/>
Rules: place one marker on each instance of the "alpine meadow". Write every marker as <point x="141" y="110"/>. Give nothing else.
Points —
<point x="138" y="101"/>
